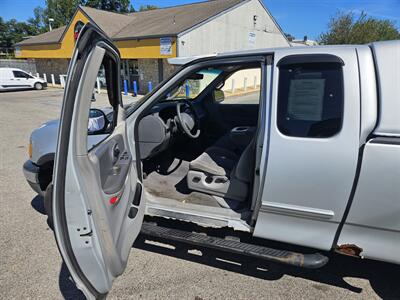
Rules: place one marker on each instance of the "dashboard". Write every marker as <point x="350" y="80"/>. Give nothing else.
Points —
<point x="159" y="127"/>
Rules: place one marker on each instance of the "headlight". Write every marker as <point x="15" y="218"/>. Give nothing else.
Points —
<point x="30" y="149"/>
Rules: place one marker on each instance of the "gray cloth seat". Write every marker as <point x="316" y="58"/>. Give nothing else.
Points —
<point x="222" y="172"/>
<point x="215" y="161"/>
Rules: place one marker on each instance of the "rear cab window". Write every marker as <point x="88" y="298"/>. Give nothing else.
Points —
<point x="310" y="99"/>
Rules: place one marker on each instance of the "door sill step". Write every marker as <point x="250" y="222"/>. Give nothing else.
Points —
<point x="310" y="261"/>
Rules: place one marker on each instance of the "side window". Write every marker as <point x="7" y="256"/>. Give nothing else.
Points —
<point x="103" y="109"/>
<point x="241" y="87"/>
<point x="310" y="99"/>
<point x="20" y="74"/>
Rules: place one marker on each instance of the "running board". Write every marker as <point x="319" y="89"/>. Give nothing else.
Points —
<point x="310" y="261"/>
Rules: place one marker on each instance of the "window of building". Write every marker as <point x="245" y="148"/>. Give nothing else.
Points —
<point x="310" y="99"/>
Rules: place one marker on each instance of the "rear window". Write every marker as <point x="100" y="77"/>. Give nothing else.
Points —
<point x="310" y="99"/>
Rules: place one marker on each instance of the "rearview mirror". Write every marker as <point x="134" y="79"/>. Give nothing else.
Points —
<point x="97" y="121"/>
<point x="219" y="96"/>
<point x="195" y="76"/>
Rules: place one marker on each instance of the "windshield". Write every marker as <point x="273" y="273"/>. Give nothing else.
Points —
<point x="193" y="85"/>
<point x="189" y="88"/>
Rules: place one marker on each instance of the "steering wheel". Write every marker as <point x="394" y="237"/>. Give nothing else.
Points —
<point x="187" y="119"/>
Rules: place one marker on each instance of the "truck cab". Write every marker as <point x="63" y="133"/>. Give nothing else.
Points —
<point x="308" y="156"/>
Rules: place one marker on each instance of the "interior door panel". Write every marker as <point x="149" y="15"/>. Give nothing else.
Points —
<point x="224" y="117"/>
<point x="97" y="198"/>
<point x="114" y="162"/>
<point x="234" y="115"/>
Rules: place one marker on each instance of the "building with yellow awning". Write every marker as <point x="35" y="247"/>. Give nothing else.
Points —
<point x="147" y="39"/>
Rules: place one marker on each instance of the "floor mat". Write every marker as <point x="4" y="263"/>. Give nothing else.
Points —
<point x="169" y="181"/>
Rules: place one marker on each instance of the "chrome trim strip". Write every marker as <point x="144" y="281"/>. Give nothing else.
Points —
<point x="289" y="209"/>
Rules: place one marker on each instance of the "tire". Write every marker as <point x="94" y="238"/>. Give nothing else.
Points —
<point x="38" y="86"/>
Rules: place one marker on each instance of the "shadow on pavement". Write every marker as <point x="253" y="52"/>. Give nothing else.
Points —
<point x="67" y="286"/>
<point x="383" y="277"/>
<point x="38" y="204"/>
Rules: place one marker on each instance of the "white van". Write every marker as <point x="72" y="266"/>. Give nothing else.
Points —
<point x="12" y="79"/>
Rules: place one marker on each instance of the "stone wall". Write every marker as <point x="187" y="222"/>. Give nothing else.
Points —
<point x="149" y="71"/>
<point x="28" y="65"/>
<point x="56" y="66"/>
<point x="168" y="69"/>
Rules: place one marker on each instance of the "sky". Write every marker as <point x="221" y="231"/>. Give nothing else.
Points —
<point x="299" y="18"/>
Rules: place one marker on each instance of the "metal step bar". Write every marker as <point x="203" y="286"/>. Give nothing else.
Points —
<point x="310" y="261"/>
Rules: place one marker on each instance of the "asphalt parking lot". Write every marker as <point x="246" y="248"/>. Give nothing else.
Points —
<point x="31" y="267"/>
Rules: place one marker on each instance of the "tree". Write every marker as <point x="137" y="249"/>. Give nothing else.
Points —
<point x="344" y="28"/>
<point x="37" y="22"/>
<point x="12" y="32"/>
<point x="120" y="6"/>
<point x="59" y="10"/>
<point x="147" y="7"/>
<point x="63" y="10"/>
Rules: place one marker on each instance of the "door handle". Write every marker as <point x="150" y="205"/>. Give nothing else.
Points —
<point x="115" y="153"/>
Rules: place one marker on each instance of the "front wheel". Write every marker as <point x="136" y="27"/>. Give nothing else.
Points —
<point x="38" y="86"/>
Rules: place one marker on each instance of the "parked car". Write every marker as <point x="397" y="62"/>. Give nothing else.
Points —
<point x="14" y="79"/>
<point x="315" y="163"/>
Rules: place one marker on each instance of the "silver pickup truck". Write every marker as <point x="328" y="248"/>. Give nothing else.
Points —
<point x="312" y="159"/>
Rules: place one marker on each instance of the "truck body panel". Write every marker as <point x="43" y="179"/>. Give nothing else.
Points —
<point x="301" y="201"/>
<point x="373" y="222"/>
<point x="387" y="62"/>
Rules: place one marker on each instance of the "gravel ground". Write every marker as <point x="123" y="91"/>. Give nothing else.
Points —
<point x="31" y="267"/>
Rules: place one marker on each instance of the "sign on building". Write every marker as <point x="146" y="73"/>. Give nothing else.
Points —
<point x="252" y="38"/>
<point x="166" y="46"/>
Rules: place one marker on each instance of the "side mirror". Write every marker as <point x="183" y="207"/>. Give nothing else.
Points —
<point x="98" y="121"/>
<point x="219" y="96"/>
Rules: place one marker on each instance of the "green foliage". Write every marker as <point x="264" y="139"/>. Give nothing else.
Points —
<point x="59" y="10"/>
<point x="120" y="6"/>
<point x="344" y="28"/>
<point x="147" y="7"/>
<point x="13" y="31"/>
